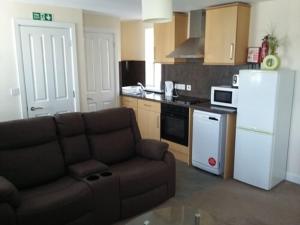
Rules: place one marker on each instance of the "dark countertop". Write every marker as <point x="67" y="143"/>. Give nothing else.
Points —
<point x="204" y="106"/>
<point x="212" y="108"/>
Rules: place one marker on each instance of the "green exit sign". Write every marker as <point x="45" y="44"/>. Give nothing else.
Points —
<point x="42" y="16"/>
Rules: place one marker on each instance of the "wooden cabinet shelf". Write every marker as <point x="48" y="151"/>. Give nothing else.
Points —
<point x="227" y="34"/>
<point x="168" y="36"/>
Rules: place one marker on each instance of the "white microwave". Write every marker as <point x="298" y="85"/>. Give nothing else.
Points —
<point x="224" y="96"/>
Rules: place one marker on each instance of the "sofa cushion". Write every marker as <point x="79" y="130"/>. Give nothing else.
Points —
<point x="56" y="203"/>
<point x="23" y="133"/>
<point x="113" y="147"/>
<point x="139" y="175"/>
<point x="106" y="121"/>
<point x="70" y="124"/>
<point x="74" y="142"/>
<point x="112" y="134"/>
<point x="30" y="154"/>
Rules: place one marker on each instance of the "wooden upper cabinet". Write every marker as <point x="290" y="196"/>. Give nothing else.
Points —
<point x="132" y="40"/>
<point x="168" y="36"/>
<point x="227" y="34"/>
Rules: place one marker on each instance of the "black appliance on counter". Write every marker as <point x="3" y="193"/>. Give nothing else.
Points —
<point x="132" y="72"/>
<point x="175" y="118"/>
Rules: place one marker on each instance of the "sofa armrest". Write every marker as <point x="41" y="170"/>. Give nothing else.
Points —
<point x="83" y="169"/>
<point x="170" y="160"/>
<point x="9" y="193"/>
<point x="151" y="149"/>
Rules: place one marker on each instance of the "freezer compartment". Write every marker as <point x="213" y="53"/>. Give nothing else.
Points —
<point x="253" y="153"/>
<point x="209" y="141"/>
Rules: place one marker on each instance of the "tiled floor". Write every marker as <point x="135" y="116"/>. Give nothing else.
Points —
<point x="234" y="203"/>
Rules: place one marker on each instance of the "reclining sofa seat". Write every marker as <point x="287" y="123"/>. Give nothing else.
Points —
<point x="145" y="168"/>
<point x="32" y="164"/>
<point x="81" y="165"/>
<point x="45" y="163"/>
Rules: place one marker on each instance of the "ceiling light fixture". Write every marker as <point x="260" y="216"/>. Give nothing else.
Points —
<point x="157" y="11"/>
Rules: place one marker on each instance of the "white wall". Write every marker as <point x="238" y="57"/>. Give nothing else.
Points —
<point x="284" y="18"/>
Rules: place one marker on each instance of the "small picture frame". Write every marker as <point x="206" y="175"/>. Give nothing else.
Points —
<point x="254" y="54"/>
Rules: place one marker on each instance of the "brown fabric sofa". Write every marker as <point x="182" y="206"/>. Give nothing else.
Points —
<point x="80" y="168"/>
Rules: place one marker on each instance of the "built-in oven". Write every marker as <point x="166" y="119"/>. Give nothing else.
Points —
<point x="175" y="123"/>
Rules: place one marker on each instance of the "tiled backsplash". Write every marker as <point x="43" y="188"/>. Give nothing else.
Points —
<point x="200" y="76"/>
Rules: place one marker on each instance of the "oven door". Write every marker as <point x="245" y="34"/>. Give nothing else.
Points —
<point x="175" y="128"/>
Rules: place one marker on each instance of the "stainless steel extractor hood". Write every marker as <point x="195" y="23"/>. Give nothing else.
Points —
<point x="193" y="47"/>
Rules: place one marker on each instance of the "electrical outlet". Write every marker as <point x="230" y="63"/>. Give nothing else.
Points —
<point x="180" y="87"/>
<point x="188" y="87"/>
<point x="14" y="91"/>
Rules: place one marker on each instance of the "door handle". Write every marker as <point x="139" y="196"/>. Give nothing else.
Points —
<point x="158" y="121"/>
<point x="213" y="118"/>
<point x="90" y="99"/>
<point x="36" y="108"/>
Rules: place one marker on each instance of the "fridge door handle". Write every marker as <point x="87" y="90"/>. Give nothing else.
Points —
<point x="255" y="130"/>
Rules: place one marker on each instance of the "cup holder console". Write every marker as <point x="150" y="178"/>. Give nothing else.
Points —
<point x="96" y="176"/>
<point x="93" y="177"/>
<point x="106" y="174"/>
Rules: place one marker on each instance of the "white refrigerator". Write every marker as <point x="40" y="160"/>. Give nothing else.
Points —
<point x="263" y="126"/>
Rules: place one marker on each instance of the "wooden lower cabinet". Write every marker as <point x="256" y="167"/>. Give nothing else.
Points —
<point x="149" y="124"/>
<point x="149" y="119"/>
<point x="147" y="115"/>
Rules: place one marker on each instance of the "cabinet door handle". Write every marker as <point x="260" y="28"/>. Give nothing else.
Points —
<point x="231" y="51"/>
<point x="146" y="105"/>
<point x="158" y="121"/>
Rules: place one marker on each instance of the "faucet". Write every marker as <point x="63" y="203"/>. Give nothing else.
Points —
<point x="141" y="85"/>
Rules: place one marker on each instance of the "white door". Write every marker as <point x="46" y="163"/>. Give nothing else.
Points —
<point x="48" y="71"/>
<point x="100" y="60"/>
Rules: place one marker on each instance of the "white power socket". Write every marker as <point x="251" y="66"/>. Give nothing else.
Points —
<point x="188" y="87"/>
<point x="180" y="87"/>
<point x="14" y="91"/>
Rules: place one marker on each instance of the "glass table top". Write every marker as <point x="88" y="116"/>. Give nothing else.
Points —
<point x="173" y="216"/>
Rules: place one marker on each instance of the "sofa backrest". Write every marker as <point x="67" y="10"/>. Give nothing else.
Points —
<point x="30" y="154"/>
<point x="112" y="134"/>
<point x="71" y="130"/>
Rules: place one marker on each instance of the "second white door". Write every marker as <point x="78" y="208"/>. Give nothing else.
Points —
<point x="100" y="60"/>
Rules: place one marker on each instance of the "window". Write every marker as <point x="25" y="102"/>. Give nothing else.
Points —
<point x="153" y="70"/>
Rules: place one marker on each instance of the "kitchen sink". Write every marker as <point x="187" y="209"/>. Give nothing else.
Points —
<point x="132" y="90"/>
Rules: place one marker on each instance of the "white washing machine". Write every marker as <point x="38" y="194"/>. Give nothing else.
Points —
<point x="209" y="135"/>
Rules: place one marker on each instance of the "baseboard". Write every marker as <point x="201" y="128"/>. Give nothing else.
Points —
<point x="292" y="177"/>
